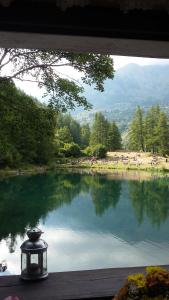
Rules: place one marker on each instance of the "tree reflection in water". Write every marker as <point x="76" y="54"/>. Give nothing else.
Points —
<point x="105" y="192"/>
<point x="25" y="200"/>
<point x="150" y="199"/>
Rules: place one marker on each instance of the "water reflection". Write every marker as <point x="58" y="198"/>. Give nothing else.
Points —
<point x="24" y="200"/>
<point x="90" y="221"/>
<point x="105" y="193"/>
<point x="151" y="199"/>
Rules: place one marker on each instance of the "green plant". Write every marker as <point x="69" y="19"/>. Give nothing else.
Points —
<point x="87" y="151"/>
<point x="71" y="149"/>
<point x="99" y="151"/>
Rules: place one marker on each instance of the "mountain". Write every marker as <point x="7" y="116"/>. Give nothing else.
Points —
<point x="132" y="85"/>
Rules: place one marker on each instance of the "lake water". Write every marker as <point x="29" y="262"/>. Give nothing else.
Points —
<point x="89" y="221"/>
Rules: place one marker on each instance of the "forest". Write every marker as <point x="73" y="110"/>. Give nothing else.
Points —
<point x="32" y="133"/>
<point x="149" y="132"/>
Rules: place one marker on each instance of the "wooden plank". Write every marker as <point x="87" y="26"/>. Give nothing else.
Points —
<point x="69" y="285"/>
<point x="114" y="46"/>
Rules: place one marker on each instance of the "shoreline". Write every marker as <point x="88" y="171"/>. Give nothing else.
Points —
<point x="121" y="160"/>
<point x="113" y="167"/>
<point x="121" y="173"/>
<point x="132" y="174"/>
<point x="115" y="162"/>
<point x="25" y="170"/>
<point x="116" y="173"/>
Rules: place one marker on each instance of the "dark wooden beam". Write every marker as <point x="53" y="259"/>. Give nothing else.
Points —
<point x="45" y="17"/>
<point x="69" y="285"/>
<point x="127" y="47"/>
<point x="36" y="24"/>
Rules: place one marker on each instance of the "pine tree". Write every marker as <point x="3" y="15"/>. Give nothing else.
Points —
<point x="99" y="130"/>
<point x="66" y="120"/>
<point x="75" y="131"/>
<point x="85" y="135"/>
<point x="162" y="133"/>
<point x="151" y="134"/>
<point x="113" y="138"/>
<point x="136" y="131"/>
<point x="63" y="134"/>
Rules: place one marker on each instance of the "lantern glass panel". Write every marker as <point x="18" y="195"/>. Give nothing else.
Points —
<point x="45" y="260"/>
<point x="34" y="259"/>
<point x="24" y="262"/>
<point x="34" y="264"/>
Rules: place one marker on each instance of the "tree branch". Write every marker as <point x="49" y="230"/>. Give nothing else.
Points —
<point x="36" y="67"/>
<point x="3" y="55"/>
<point x="29" y="80"/>
<point x="16" y="55"/>
<point x="71" y="78"/>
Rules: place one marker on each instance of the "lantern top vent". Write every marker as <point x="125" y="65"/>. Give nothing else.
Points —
<point x="34" y="234"/>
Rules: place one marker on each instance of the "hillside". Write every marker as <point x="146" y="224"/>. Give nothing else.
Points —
<point x="132" y="85"/>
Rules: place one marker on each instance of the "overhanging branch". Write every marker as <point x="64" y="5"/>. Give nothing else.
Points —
<point x="39" y="66"/>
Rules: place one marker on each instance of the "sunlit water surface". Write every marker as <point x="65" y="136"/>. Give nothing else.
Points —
<point x="90" y="221"/>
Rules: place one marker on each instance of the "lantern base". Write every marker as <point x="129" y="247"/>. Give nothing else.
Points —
<point x="33" y="277"/>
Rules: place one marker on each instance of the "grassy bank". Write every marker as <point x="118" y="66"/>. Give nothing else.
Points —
<point x="115" y="161"/>
<point x="122" y="161"/>
<point x="23" y="170"/>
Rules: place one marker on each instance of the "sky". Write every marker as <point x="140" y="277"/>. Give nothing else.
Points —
<point x="119" y="62"/>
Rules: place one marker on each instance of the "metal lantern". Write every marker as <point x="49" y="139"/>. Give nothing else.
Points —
<point x="34" y="256"/>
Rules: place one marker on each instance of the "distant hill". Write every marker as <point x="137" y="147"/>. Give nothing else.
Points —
<point x="132" y="85"/>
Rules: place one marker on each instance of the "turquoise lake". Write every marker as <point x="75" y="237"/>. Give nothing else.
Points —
<point x="90" y="221"/>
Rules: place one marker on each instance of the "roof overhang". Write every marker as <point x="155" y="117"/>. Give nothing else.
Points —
<point x="133" y="27"/>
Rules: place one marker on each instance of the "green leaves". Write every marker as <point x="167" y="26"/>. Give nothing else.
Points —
<point x="65" y="95"/>
<point x="45" y="68"/>
<point x="26" y="128"/>
<point x="96" y="67"/>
